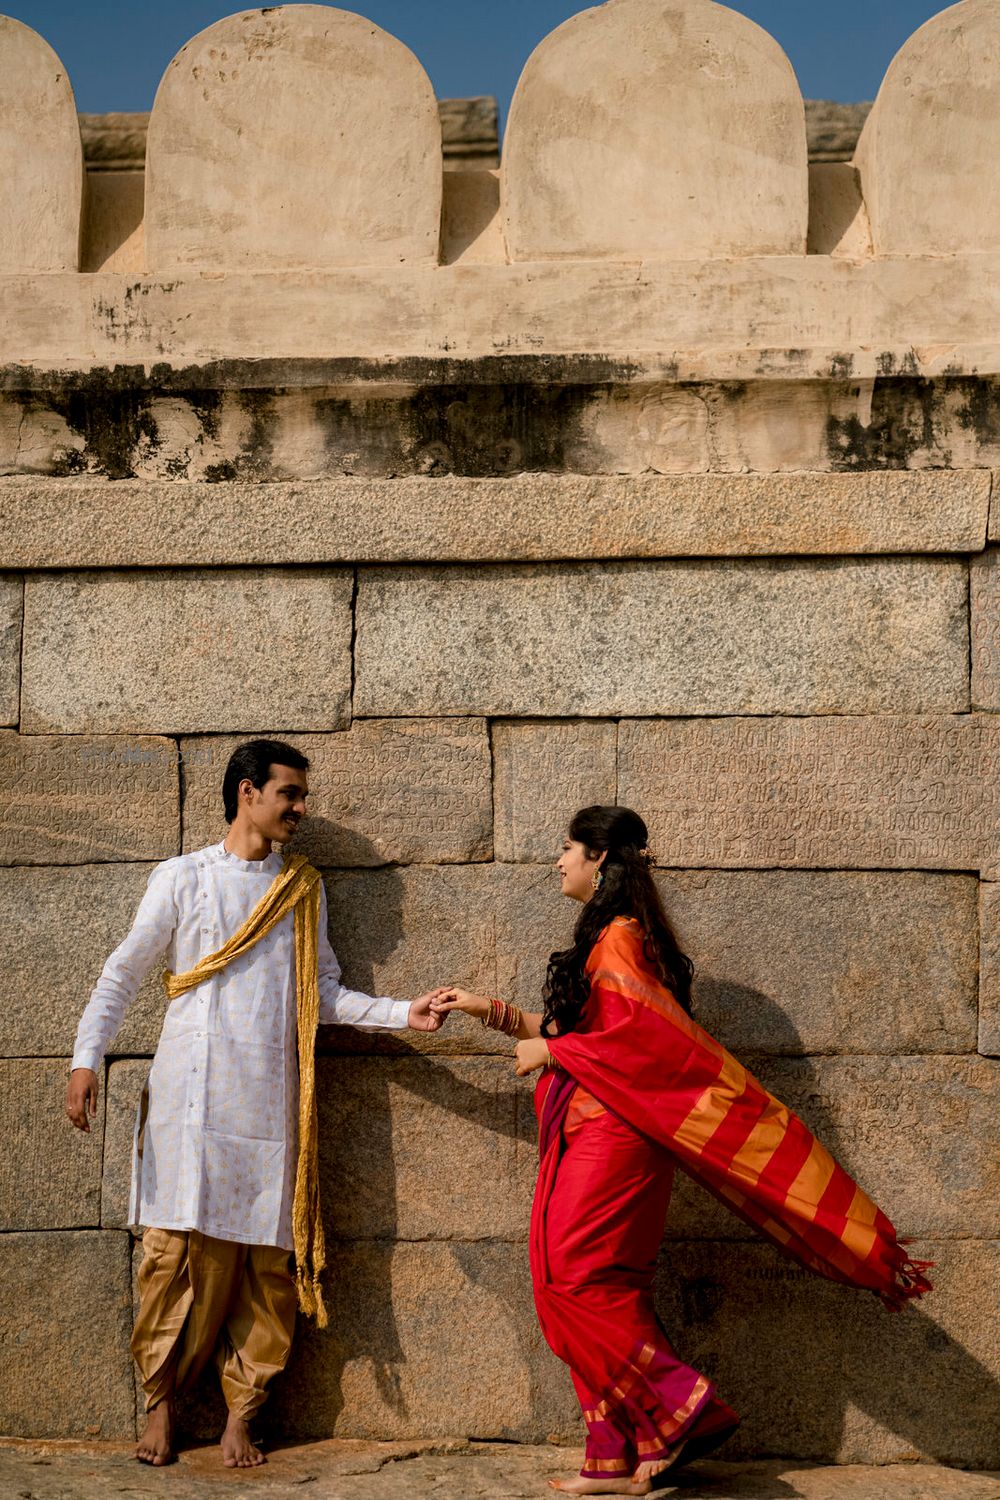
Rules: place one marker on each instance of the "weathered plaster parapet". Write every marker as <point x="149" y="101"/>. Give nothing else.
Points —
<point x="671" y="240"/>
<point x="808" y="317"/>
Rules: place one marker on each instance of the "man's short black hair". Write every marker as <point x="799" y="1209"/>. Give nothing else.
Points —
<point x="253" y="760"/>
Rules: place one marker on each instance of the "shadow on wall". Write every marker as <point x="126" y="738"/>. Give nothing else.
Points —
<point x="312" y="1407"/>
<point x="817" y="1370"/>
<point x="820" y="1364"/>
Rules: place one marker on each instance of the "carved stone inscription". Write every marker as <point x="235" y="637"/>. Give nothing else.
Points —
<point x="75" y="800"/>
<point x="840" y="793"/>
<point x="543" y="772"/>
<point x="383" y="792"/>
<point x="989" y="969"/>
<point x="984" y="593"/>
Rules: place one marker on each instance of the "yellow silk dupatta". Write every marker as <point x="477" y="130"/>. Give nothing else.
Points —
<point x="295" y="888"/>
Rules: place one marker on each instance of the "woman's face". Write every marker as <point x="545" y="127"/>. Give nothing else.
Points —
<point x="576" y="870"/>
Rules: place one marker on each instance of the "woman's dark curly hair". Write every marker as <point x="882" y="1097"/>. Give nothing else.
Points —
<point x="626" y="890"/>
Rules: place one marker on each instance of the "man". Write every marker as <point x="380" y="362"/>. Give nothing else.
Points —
<point x="224" y="1170"/>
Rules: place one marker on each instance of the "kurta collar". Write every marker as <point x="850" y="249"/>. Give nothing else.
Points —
<point x="271" y="864"/>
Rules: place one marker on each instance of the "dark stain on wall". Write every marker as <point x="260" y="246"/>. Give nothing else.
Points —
<point x="474" y="428"/>
<point x="480" y="431"/>
<point x="112" y="423"/>
<point x="913" y="417"/>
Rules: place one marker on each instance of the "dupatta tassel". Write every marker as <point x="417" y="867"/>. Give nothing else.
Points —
<point x="910" y="1284"/>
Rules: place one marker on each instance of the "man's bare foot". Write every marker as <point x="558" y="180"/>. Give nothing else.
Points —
<point x="238" y="1451"/>
<point x="578" y="1485"/>
<point x="156" y="1446"/>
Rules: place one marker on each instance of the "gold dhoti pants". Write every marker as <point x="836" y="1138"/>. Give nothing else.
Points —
<point x="200" y="1296"/>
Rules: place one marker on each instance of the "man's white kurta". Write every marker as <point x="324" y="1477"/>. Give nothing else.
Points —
<point x="221" y="1134"/>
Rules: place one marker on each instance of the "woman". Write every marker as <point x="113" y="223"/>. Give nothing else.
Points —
<point x="631" y="1087"/>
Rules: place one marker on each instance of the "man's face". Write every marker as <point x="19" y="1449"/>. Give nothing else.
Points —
<point x="277" y="808"/>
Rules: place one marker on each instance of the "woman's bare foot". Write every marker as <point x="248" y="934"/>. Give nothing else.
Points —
<point x="578" y="1485"/>
<point x="156" y="1446"/>
<point x="646" y="1473"/>
<point x="238" y="1451"/>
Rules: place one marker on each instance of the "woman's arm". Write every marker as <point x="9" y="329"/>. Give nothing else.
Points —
<point x="529" y="1023"/>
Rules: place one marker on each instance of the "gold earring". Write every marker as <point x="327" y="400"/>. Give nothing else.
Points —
<point x="597" y="879"/>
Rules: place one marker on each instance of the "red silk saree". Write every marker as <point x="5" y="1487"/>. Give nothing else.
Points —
<point x="638" y="1088"/>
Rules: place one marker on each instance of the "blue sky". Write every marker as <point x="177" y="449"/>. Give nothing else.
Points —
<point x="116" y="51"/>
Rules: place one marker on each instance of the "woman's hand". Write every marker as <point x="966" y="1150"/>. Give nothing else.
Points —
<point x="444" y="1001"/>
<point x="531" y="1054"/>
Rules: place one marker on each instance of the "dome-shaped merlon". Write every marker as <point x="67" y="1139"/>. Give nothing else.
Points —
<point x="41" y="158"/>
<point x="930" y="146"/>
<point x="667" y="129"/>
<point x="293" y="138"/>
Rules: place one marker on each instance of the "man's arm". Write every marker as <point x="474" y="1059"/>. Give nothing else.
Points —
<point x="116" y="990"/>
<point x="339" y="1006"/>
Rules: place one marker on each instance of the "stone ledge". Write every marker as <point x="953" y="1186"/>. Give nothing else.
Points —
<point x="94" y="523"/>
<point x="429" y="1468"/>
<point x="776" y="317"/>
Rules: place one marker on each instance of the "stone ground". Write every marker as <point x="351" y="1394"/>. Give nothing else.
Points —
<point x="342" y="1470"/>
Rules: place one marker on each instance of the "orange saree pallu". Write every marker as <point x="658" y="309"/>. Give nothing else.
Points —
<point x="638" y="1088"/>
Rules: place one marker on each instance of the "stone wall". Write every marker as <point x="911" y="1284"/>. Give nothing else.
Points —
<point x="656" y="466"/>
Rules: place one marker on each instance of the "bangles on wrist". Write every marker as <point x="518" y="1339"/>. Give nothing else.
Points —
<point x="503" y="1017"/>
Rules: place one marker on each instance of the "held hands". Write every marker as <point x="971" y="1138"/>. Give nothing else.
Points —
<point x="424" y="1014"/>
<point x="81" y="1097"/>
<point x="449" y="998"/>
<point x="529" y="1053"/>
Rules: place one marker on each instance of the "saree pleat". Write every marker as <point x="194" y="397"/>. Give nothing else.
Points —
<point x="596" y="1229"/>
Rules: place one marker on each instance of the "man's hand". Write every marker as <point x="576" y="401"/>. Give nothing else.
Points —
<point x="421" y="1017"/>
<point x="531" y="1054"/>
<point x="81" y="1097"/>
